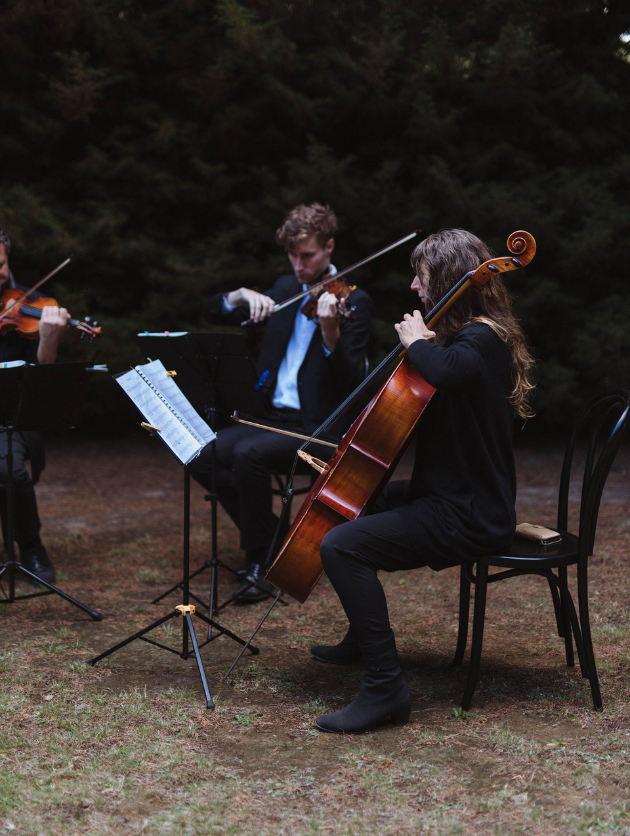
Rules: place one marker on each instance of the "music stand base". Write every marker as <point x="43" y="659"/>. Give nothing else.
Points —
<point x="12" y="569"/>
<point x="187" y="611"/>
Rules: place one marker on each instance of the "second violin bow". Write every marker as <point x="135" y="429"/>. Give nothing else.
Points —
<point x="352" y="267"/>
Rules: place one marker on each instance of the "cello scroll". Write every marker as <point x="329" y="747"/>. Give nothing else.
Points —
<point x="522" y="244"/>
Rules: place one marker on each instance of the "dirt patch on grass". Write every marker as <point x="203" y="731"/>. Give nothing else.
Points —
<point x="127" y="746"/>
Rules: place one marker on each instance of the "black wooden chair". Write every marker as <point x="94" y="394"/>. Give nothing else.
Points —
<point x="551" y="562"/>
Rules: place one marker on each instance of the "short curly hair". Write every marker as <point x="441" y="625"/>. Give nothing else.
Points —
<point x="4" y="239"/>
<point x="303" y="221"/>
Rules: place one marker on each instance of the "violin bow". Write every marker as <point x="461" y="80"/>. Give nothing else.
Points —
<point x="27" y="293"/>
<point x="347" y="270"/>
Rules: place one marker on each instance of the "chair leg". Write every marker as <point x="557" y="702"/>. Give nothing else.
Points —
<point x="566" y="633"/>
<point x="479" y="615"/>
<point x="557" y="608"/>
<point x="565" y="596"/>
<point x="587" y="640"/>
<point x="464" y="612"/>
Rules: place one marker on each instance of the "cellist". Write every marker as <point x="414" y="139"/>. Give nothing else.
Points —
<point x="459" y="503"/>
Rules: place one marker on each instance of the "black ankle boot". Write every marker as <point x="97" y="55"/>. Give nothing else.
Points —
<point x="383" y="694"/>
<point x="345" y="653"/>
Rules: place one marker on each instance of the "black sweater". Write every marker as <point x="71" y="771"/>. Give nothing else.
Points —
<point x="464" y="479"/>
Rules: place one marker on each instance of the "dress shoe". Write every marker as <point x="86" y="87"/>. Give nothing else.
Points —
<point x="35" y="560"/>
<point x="254" y="587"/>
<point x="382" y="695"/>
<point x="345" y="653"/>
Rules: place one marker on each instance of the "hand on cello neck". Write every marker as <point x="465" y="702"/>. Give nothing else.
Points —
<point x="413" y="328"/>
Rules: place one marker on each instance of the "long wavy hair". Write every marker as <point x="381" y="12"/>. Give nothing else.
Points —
<point x="447" y="256"/>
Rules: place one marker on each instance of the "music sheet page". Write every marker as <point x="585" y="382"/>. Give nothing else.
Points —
<point x="175" y="435"/>
<point x="156" y="373"/>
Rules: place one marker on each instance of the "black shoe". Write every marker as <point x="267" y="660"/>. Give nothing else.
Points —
<point x="382" y="694"/>
<point x="345" y="653"/>
<point x="254" y="587"/>
<point x="35" y="560"/>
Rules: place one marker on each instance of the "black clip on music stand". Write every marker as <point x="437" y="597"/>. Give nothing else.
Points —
<point x="218" y="376"/>
<point x="46" y="397"/>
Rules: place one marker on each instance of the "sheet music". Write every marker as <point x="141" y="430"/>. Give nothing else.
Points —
<point x="156" y="373"/>
<point x="182" y="442"/>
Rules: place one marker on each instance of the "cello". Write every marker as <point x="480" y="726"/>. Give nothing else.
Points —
<point x="369" y="452"/>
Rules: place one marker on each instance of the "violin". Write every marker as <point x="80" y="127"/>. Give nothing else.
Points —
<point x="368" y="454"/>
<point x="21" y="314"/>
<point x="335" y="285"/>
<point x="339" y="288"/>
<point x="18" y="315"/>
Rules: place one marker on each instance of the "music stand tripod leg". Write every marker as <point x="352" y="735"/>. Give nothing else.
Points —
<point x="132" y="638"/>
<point x="186" y="612"/>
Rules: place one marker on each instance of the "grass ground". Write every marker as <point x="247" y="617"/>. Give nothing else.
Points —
<point x="127" y="747"/>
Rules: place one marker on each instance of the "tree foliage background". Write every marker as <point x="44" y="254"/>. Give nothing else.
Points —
<point x="161" y="141"/>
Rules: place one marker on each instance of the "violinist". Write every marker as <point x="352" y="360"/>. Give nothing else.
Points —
<point x="459" y="503"/>
<point x="14" y="346"/>
<point x="306" y="367"/>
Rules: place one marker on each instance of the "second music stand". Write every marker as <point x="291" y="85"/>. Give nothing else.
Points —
<point x="218" y="376"/>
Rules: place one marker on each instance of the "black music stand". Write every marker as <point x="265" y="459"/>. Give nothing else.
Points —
<point x="185" y="610"/>
<point x="218" y="376"/>
<point x="47" y="397"/>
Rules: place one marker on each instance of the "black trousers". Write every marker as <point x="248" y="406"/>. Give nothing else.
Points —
<point x="353" y="553"/>
<point x="26" y="518"/>
<point x="246" y="457"/>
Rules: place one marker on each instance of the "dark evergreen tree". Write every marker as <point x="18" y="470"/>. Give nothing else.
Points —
<point x="162" y="140"/>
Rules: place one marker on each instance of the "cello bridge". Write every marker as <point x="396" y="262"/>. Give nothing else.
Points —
<point x="317" y="464"/>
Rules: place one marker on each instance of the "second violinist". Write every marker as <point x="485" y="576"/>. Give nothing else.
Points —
<point x="308" y="366"/>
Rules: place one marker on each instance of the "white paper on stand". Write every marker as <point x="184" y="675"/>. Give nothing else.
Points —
<point x="163" y="405"/>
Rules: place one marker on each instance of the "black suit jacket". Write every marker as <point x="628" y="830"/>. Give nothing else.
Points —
<point x="323" y="381"/>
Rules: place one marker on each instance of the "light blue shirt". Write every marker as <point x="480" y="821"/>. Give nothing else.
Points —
<point x="286" y="392"/>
